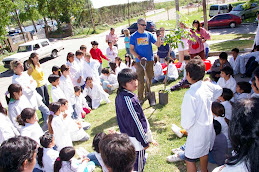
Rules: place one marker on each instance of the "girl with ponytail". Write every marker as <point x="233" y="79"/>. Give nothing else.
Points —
<point x="46" y="154"/>
<point x="57" y="126"/>
<point x="66" y="163"/>
<point x="30" y="126"/>
<point x="16" y="102"/>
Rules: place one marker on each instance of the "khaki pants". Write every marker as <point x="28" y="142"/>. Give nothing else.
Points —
<point x="141" y="74"/>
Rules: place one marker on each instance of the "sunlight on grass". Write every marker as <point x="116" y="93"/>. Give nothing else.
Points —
<point x="229" y="45"/>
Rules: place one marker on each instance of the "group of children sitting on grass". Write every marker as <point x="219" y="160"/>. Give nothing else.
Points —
<point x="218" y="115"/>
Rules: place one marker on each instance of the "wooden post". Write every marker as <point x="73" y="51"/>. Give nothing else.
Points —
<point x="205" y="14"/>
<point x="177" y="11"/>
<point x="128" y="13"/>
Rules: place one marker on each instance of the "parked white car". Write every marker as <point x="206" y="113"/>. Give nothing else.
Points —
<point x="41" y="46"/>
<point x="219" y="9"/>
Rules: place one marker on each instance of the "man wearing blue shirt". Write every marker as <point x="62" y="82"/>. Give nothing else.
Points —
<point x="141" y="47"/>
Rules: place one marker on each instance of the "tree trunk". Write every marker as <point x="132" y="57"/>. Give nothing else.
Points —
<point x="177" y="12"/>
<point x="19" y="24"/>
<point x="91" y="15"/>
<point x="205" y="14"/>
<point x="34" y="25"/>
<point x="128" y="13"/>
<point x="46" y="27"/>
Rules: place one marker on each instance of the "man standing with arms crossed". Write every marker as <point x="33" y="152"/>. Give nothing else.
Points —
<point x="141" y="48"/>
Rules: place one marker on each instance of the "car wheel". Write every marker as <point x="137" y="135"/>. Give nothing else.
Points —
<point x="26" y="65"/>
<point x="243" y="17"/>
<point x="54" y="54"/>
<point x="232" y="25"/>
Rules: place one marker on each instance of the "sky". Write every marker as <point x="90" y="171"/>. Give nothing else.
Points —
<point x="101" y="3"/>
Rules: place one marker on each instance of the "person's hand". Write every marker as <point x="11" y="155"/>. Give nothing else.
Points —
<point x="146" y="147"/>
<point x="85" y="159"/>
<point x="109" y="85"/>
<point x="203" y="40"/>
<point x="207" y="79"/>
<point x="154" y="142"/>
<point x="64" y="116"/>
<point x="79" y="80"/>
<point x="143" y="60"/>
<point x="111" y="131"/>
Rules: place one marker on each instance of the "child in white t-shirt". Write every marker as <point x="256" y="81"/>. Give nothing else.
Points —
<point x="225" y="98"/>
<point x="158" y="71"/>
<point x="243" y="91"/>
<point x="226" y="79"/>
<point x="172" y="74"/>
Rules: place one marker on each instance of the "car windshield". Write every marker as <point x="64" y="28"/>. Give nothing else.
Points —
<point x="214" y="7"/>
<point x="239" y="8"/>
<point x="25" y="48"/>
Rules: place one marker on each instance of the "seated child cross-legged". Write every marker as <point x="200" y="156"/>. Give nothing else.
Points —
<point x="196" y="118"/>
<point x="226" y="79"/>
<point x="108" y="80"/>
<point x="158" y="71"/>
<point x="76" y="127"/>
<point x="255" y="89"/>
<point x="172" y="74"/>
<point x="95" y="93"/>
<point x="81" y="106"/>
<point x="225" y="98"/>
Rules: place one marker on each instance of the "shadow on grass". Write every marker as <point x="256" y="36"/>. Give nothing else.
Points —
<point x="157" y="126"/>
<point x="107" y="124"/>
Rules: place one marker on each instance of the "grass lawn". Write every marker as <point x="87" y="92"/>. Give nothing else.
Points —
<point x="229" y="45"/>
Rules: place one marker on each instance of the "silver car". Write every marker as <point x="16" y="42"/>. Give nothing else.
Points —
<point x="241" y="12"/>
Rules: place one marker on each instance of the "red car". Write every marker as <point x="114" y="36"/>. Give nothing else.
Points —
<point x="222" y="20"/>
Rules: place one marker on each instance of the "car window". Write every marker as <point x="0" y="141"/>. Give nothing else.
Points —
<point x="239" y="8"/>
<point x="25" y="48"/>
<point x="223" y="17"/>
<point x="36" y="46"/>
<point x="253" y="5"/>
<point x="214" y="7"/>
<point x="44" y="44"/>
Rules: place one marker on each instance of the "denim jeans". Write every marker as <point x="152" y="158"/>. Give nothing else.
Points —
<point x="128" y="52"/>
<point x="93" y="158"/>
<point x="160" y="79"/>
<point x="44" y="112"/>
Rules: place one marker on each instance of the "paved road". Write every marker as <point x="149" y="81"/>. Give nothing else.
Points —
<point x="74" y="44"/>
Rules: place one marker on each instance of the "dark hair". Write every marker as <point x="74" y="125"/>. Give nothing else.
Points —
<point x="187" y="57"/>
<point x="227" y="94"/>
<point x="125" y="76"/>
<point x="2" y="109"/>
<point x="77" y="88"/>
<point x="119" y="60"/>
<point x="199" y="24"/>
<point x="53" y="108"/>
<point x="88" y="78"/>
<point x="196" y="69"/>
<point x="133" y="62"/>
<point x="64" y="67"/>
<point x="113" y="66"/>
<point x="217" y="127"/>
<point x="243" y="133"/>
<point x="82" y="47"/>
<point x="97" y="138"/>
<point x="155" y="58"/>
<point x="245" y="86"/>
<point x="13" y="88"/>
<point x="112" y="28"/>
<point x="56" y="68"/>
<point x="15" y="151"/>
<point x="235" y="50"/>
<point x="218" y="109"/>
<point x="129" y="62"/>
<point x="122" y="151"/>
<point x="94" y="43"/>
<point x="53" y="78"/>
<point x="65" y="154"/>
<point x="105" y="71"/>
<point x="62" y="101"/>
<point x="70" y="54"/>
<point x="256" y="72"/>
<point x="45" y="141"/>
<point x="31" y="57"/>
<point x="79" y="52"/>
<point x="223" y="56"/>
<point x="227" y="70"/>
<point x="168" y="59"/>
<point x="26" y="113"/>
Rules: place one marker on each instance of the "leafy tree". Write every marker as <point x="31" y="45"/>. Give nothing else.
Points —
<point x="6" y="6"/>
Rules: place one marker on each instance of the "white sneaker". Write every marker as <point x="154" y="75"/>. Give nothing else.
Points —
<point x="177" y="130"/>
<point x="176" y="150"/>
<point x="173" y="158"/>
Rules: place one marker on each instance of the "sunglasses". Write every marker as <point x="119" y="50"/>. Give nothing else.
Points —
<point x="143" y="24"/>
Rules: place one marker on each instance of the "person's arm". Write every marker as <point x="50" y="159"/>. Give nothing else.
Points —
<point x="107" y="38"/>
<point x="169" y="52"/>
<point x="103" y="56"/>
<point x="205" y="35"/>
<point x="133" y="52"/>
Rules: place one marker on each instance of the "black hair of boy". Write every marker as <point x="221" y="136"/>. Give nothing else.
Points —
<point x="79" y="53"/>
<point x="256" y="72"/>
<point x="82" y="47"/>
<point x="223" y="56"/>
<point x="227" y="70"/>
<point x="227" y="94"/>
<point x="88" y="78"/>
<point x="125" y="76"/>
<point x="117" y="152"/>
<point x="94" y="43"/>
<point x="62" y="101"/>
<point x="97" y="138"/>
<point x="45" y="141"/>
<point x="55" y="68"/>
<point x="218" y="109"/>
<point x="186" y="57"/>
<point x="53" y="78"/>
<point x="245" y="86"/>
<point x="217" y="127"/>
<point x="235" y="50"/>
<point x="196" y="69"/>
<point x="77" y="88"/>
<point x="168" y="59"/>
<point x="105" y="71"/>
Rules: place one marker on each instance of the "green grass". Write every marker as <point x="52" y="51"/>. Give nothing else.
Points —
<point x="232" y="36"/>
<point x="229" y="45"/>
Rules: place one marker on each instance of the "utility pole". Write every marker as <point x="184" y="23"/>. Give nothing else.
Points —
<point x="205" y="14"/>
